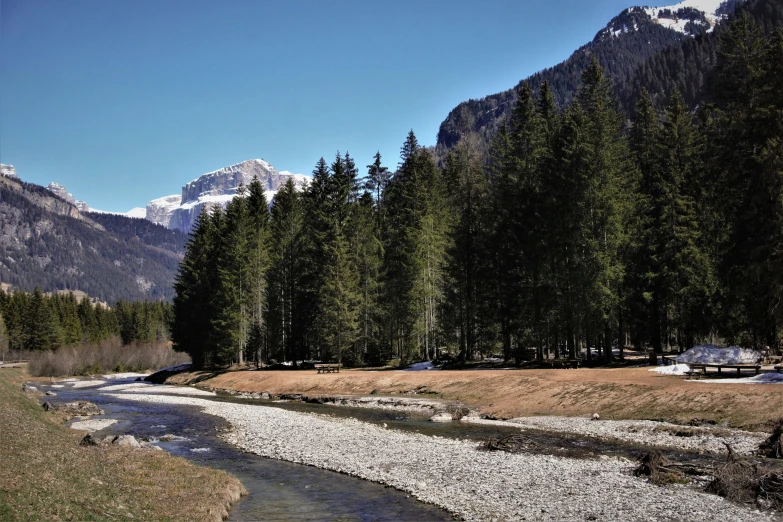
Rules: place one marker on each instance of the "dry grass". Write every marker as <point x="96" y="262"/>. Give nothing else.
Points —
<point x="622" y="393"/>
<point x="46" y="475"/>
<point x="107" y="356"/>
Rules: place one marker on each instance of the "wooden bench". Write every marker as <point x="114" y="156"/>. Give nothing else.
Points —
<point x="564" y="363"/>
<point x="328" y="368"/>
<point x="695" y="374"/>
<point x="739" y="367"/>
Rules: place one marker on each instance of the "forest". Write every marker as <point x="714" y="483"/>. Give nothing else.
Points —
<point x="580" y="229"/>
<point x="34" y="321"/>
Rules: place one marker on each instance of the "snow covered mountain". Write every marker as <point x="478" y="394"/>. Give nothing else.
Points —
<point x="61" y="191"/>
<point x="216" y="188"/>
<point x="8" y="170"/>
<point x="690" y="17"/>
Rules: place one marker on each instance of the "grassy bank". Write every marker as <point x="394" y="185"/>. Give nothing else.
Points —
<point x="46" y="475"/>
<point x="623" y="393"/>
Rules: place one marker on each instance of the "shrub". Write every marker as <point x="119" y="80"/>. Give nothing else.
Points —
<point x="109" y="355"/>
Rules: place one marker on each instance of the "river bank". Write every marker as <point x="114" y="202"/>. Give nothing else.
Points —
<point x="455" y="474"/>
<point x="47" y="475"/>
<point x="621" y="393"/>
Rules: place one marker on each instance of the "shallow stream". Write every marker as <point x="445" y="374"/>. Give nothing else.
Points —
<point x="277" y="490"/>
<point x="281" y="490"/>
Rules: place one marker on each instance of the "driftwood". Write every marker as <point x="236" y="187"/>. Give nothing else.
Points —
<point x="773" y="446"/>
<point x="661" y="470"/>
<point x="513" y="443"/>
<point x="745" y="481"/>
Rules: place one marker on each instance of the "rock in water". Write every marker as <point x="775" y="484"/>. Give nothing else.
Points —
<point x="79" y="408"/>
<point x="51" y="393"/>
<point x="441" y="416"/>
<point x="29" y="389"/>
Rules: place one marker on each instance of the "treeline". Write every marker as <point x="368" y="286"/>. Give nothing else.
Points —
<point x="36" y="321"/>
<point x="575" y="234"/>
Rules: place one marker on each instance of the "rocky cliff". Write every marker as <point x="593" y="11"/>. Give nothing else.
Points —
<point x="61" y="191"/>
<point x="217" y="188"/>
<point x="159" y="210"/>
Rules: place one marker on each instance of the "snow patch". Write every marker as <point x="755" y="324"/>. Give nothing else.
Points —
<point x="138" y="212"/>
<point x="764" y="378"/>
<point x="674" y="369"/>
<point x="709" y="354"/>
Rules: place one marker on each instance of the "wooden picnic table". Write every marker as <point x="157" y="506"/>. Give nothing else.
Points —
<point x="703" y="367"/>
<point x="565" y="363"/>
<point x="328" y="368"/>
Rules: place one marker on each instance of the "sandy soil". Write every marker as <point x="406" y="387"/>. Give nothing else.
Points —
<point x="623" y="393"/>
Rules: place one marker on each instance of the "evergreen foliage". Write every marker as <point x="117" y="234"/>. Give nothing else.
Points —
<point x="37" y="321"/>
<point x="577" y="233"/>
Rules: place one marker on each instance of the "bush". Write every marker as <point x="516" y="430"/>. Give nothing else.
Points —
<point x="107" y="356"/>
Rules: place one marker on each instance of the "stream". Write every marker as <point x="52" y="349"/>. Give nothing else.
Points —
<point x="277" y="490"/>
<point x="280" y="490"/>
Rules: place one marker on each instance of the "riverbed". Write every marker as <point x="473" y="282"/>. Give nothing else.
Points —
<point x="277" y="490"/>
<point x="438" y="464"/>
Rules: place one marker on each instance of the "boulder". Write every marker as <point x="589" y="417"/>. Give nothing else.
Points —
<point x="88" y="440"/>
<point x="51" y="393"/>
<point x="48" y="406"/>
<point x="149" y="445"/>
<point x="265" y="396"/>
<point x="29" y="389"/>
<point x="441" y="416"/>
<point x="471" y="416"/>
<point x="127" y="440"/>
<point x="80" y="408"/>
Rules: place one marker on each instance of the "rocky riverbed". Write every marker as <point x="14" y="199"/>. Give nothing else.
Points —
<point x="455" y="474"/>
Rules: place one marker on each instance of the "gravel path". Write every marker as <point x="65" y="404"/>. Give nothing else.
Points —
<point x="453" y="474"/>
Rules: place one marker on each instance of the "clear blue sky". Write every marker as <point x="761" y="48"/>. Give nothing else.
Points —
<point x="126" y="101"/>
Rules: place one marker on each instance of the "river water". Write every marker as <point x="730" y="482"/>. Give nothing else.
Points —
<point x="281" y="490"/>
<point x="277" y="490"/>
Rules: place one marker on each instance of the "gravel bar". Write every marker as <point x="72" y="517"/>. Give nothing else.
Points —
<point x="453" y="474"/>
<point x="708" y="439"/>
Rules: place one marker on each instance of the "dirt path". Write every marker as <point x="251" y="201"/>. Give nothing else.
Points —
<point x="623" y="393"/>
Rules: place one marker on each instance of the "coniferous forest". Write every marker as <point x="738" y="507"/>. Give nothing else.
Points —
<point x="34" y="321"/>
<point x="582" y="228"/>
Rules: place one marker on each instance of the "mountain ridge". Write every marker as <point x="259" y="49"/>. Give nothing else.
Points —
<point x="628" y="40"/>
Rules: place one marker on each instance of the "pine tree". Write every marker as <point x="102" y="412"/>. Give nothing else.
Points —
<point x="258" y="259"/>
<point x="284" y="278"/>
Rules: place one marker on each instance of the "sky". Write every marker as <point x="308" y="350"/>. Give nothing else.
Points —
<point x="126" y="101"/>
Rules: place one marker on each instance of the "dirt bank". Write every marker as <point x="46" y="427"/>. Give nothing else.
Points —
<point x="623" y="393"/>
<point x="47" y="475"/>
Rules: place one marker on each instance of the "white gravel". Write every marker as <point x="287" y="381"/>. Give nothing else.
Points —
<point x="139" y="387"/>
<point x="708" y="439"/>
<point x="86" y="384"/>
<point x="453" y="474"/>
<point x="92" y="424"/>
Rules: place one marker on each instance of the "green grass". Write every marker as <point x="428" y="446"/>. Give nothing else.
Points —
<point x="46" y="475"/>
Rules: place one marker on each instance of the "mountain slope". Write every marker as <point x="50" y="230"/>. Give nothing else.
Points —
<point x="45" y="241"/>
<point x="628" y="40"/>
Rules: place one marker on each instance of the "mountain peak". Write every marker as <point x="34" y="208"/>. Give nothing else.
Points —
<point x="689" y="17"/>
<point x="8" y="171"/>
